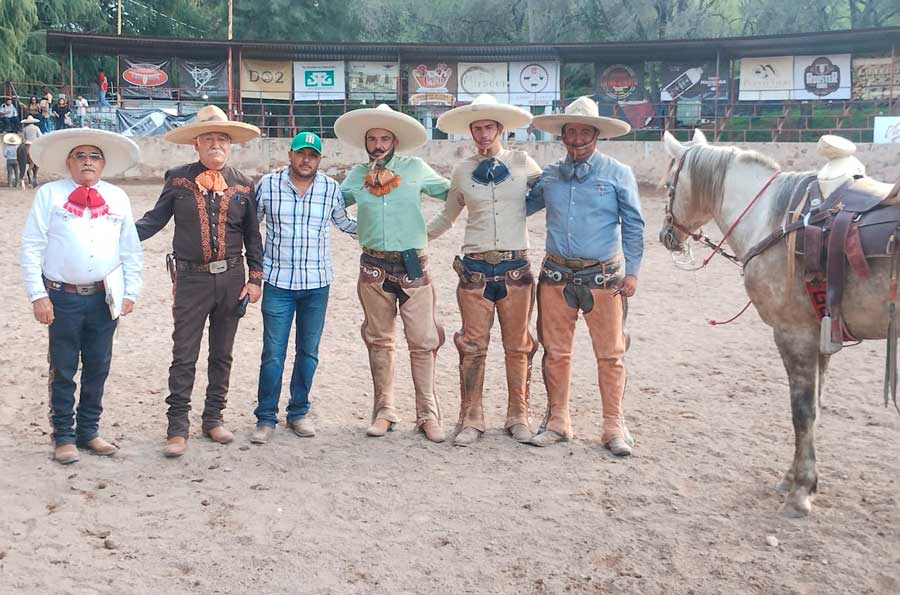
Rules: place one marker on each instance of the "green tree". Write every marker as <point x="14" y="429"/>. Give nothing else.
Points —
<point x="17" y="19"/>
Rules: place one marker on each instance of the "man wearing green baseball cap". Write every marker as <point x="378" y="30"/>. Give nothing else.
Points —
<point x="297" y="203"/>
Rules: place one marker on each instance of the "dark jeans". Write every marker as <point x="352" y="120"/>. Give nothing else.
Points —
<point x="12" y="172"/>
<point x="199" y="296"/>
<point x="10" y="124"/>
<point x="494" y="290"/>
<point x="81" y="328"/>
<point x="279" y="306"/>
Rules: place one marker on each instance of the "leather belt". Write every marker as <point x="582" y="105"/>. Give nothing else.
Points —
<point x="388" y="256"/>
<point x="87" y="289"/>
<point x="498" y="256"/>
<point x="215" y="267"/>
<point x="581" y="263"/>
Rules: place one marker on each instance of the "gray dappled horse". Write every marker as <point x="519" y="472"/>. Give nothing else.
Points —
<point x="718" y="183"/>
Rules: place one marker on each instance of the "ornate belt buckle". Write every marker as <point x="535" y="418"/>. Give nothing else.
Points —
<point x="493" y="257"/>
<point x="218" y="266"/>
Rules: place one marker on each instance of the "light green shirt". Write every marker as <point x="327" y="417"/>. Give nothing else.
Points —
<point x="394" y="222"/>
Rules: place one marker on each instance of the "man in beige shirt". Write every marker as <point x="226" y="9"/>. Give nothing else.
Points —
<point x="494" y="272"/>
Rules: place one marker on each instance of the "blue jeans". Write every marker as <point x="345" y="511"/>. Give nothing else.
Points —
<point x="101" y="99"/>
<point x="278" y="309"/>
<point x="493" y="290"/>
<point x="82" y="329"/>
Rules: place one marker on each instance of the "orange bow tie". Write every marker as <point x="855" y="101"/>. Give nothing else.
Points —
<point x="211" y="181"/>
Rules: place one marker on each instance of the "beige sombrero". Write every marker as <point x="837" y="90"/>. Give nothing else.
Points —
<point x="211" y="118"/>
<point x="11" y="138"/>
<point x="583" y="110"/>
<point x="31" y="120"/>
<point x="51" y="150"/>
<point x="351" y="127"/>
<point x="485" y="107"/>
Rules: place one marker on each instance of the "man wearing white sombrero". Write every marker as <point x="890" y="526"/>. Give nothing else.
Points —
<point x="593" y="207"/>
<point x="27" y="168"/>
<point x="81" y="259"/>
<point x="215" y="223"/>
<point x="494" y="273"/>
<point x="393" y="267"/>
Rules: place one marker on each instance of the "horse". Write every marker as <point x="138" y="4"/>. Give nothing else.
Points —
<point x="747" y="195"/>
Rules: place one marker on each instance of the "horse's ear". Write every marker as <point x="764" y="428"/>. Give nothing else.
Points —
<point x="699" y="138"/>
<point x="673" y="147"/>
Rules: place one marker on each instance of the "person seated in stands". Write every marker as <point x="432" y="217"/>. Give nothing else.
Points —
<point x="9" y="116"/>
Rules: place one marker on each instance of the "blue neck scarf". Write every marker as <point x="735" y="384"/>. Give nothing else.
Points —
<point x="490" y="170"/>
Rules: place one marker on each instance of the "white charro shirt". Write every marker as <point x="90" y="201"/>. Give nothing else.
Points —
<point x="68" y="248"/>
<point x="496" y="211"/>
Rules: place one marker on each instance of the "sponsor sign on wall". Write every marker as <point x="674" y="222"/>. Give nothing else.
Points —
<point x="140" y="77"/>
<point x="476" y="78"/>
<point x="876" y="78"/>
<point x="533" y="83"/>
<point x="432" y="83"/>
<point x="886" y="129"/>
<point x="372" y="81"/>
<point x="620" y="82"/>
<point x="692" y="80"/>
<point x="822" y="77"/>
<point x="265" y="79"/>
<point x="196" y="79"/>
<point x="766" y="78"/>
<point x="318" y="81"/>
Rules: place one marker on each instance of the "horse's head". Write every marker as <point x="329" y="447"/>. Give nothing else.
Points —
<point x="683" y="217"/>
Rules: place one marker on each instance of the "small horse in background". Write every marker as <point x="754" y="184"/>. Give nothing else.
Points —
<point x="27" y="167"/>
<point x="720" y="183"/>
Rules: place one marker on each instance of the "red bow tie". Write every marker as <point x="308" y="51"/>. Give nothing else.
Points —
<point x="83" y="198"/>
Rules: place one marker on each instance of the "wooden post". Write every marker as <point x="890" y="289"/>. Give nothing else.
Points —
<point x="71" y="75"/>
<point x="240" y="98"/>
<point x="716" y="99"/>
<point x="399" y="83"/>
<point x="230" y="79"/>
<point x="562" y="85"/>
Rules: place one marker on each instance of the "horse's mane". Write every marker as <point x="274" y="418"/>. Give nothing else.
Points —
<point x="708" y="166"/>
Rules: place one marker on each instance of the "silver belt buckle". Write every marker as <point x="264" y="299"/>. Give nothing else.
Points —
<point x="85" y="290"/>
<point x="218" y="266"/>
<point x="493" y="257"/>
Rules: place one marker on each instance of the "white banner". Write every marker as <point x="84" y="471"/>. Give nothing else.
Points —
<point x="822" y="77"/>
<point x="887" y="130"/>
<point x="533" y="83"/>
<point x="766" y="78"/>
<point x="373" y="80"/>
<point x="318" y="80"/>
<point x="484" y="77"/>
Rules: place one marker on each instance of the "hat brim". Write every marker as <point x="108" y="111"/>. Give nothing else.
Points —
<point x="351" y="128"/>
<point x="30" y="120"/>
<point x="458" y="120"/>
<point x="239" y="132"/>
<point x="50" y="151"/>
<point x="12" y="138"/>
<point x="608" y="127"/>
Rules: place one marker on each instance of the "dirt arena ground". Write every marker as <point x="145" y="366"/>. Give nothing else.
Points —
<point x="690" y="513"/>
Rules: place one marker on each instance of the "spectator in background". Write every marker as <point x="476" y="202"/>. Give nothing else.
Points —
<point x="61" y="110"/>
<point x="27" y="168"/>
<point x="9" y="116"/>
<point x="45" y="123"/>
<point x="34" y="108"/>
<point x="103" y="85"/>
<point x="80" y="106"/>
<point x="11" y="142"/>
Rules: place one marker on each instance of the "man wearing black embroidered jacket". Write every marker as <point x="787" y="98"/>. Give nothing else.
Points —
<point x="215" y="229"/>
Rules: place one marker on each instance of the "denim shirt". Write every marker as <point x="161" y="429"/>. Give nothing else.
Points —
<point x="584" y="215"/>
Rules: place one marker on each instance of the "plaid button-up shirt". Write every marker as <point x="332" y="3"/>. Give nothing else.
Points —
<point x="297" y="252"/>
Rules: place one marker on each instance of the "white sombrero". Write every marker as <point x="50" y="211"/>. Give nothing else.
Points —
<point x="211" y="118"/>
<point x="30" y="120"/>
<point x="583" y="110"/>
<point x="351" y="128"/>
<point x="485" y="107"/>
<point x="11" y="138"/>
<point x="841" y="162"/>
<point x="50" y="151"/>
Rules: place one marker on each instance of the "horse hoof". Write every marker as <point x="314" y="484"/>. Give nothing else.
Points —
<point x="796" y="507"/>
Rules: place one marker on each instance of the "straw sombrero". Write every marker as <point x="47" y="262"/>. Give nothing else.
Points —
<point x="351" y="128"/>
<point x="31" y="120"/>
<point x="211" y="118"/>
<point x="841" y="162"/>
<point x="485" y="107"/>
<point x="51" y="150"/>
<point x="583" y="110"/>
<point x="11" y="138"/>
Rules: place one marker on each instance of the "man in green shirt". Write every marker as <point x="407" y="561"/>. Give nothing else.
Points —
<point x="393" y="268"/>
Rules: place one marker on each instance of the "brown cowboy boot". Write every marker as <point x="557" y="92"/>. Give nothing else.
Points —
<point x="175" y="446"/>
<point x="65" y="454"/>
<point x="428" y="411"/>
<point x="100" y="447"/>
<point x="381" y="363"/>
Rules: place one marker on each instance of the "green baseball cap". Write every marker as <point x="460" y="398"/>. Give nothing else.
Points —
<point x="307" y="140"/>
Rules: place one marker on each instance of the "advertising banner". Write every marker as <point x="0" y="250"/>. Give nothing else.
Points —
<point x="196" y="79"/>
<point x="693" y="80"/>
<point x="822" y="77"/>
<point x="265" y="79"/>
<point x="148" y="122"/>
<point x="432" y="83"/>
<point x="620" y="82"/>
<point x="887" y="130"/>
<point x="476" y="78"/>
<point x="318" y="81"/>
<point x="372" y="81"/>
<point x="876" y="78"/>
<point x="141" y="78"/>
<point x="766" y="78"/>
<point x="533" y="83"/>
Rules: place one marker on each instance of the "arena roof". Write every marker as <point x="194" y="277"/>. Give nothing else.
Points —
<point x="881" y="40"/>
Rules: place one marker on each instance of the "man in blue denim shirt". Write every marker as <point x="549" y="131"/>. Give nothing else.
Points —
<point x="588" y="197"/>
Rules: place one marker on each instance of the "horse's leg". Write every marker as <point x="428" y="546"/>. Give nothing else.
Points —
<point x="800" y="353"/>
